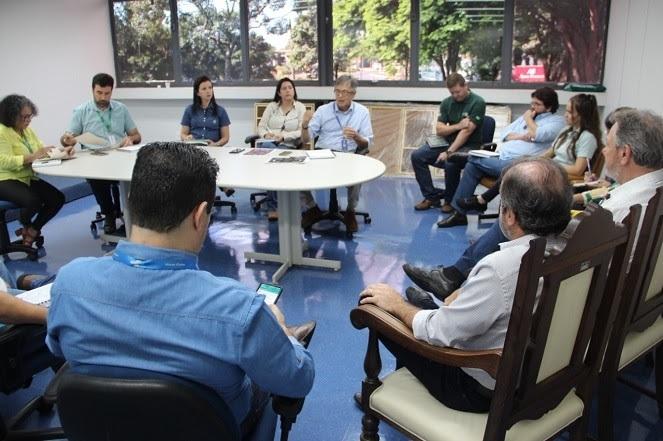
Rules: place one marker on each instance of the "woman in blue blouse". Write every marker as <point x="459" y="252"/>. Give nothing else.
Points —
<point x="205" y="119"/>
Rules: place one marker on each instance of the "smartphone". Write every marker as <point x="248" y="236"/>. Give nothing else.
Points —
<point x="270" y="291"/>
<point x="239" y="150"/>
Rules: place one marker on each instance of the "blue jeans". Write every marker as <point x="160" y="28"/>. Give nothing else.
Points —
<point x="476" y="169"/>
<point x="485" y="245"/>
<point x="272" y="199"/>
<point x="421" y="159"/>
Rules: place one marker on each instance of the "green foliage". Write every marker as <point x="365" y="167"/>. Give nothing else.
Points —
<point x="443" y="30"/>
<point x="303" y="46"/>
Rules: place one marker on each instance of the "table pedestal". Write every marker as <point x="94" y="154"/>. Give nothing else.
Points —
<point x="290" y="239"/>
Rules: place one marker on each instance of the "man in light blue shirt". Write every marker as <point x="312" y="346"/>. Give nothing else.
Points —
<point x="109" y="120"/>
<point x="149" y="306"/>
<point x="529" y="135"/>
<point x="342" y="125"/>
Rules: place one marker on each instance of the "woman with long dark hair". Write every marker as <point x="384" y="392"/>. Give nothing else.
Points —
<point x="204" y="119"/>
<point x="281" y="122"/>
<point x="19" y="148"/>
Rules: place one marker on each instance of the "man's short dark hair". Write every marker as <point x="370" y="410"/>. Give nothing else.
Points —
<point x="455" y="79"/>
<point x="10" y="109"/>
<point x="103" y="80"/>
<point x="169" y="180"/>
<point x="538" y="192"/>
<point x="643" y="131"/>
<point x="548" y="97"/>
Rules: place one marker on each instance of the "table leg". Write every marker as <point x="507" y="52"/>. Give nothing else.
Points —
<point x="124" y="195"/>
<point x="290" y="240"/>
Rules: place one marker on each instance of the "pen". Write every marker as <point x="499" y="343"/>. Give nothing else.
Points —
<point x="589" y="167"/>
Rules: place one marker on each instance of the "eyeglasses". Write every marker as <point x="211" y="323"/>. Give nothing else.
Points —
<point x="27" y="117"/>
<point x="339" y="92"/>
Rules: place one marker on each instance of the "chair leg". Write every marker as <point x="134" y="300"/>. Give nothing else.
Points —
<point x="606" y="398"/>
<point x="658" y="373"/>
<point x="372" y="368"/>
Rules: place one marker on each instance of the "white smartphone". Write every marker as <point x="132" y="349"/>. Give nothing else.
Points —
<point x="270" y="291"/>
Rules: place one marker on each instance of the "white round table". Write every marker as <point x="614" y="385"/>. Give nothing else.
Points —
<point x="243" y="170"/>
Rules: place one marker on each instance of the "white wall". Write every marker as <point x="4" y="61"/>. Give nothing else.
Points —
<point x="634" y="65"/>
<point x="56" y="46"/>
<point x="51" y="49"/>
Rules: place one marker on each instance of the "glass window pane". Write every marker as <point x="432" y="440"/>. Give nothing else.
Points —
<point x="372" y="39"/>
<point x="210" y="39"/>
<point x="283" y="39"/>
<point x="559" y="41"/>
<point x="463" y="36"/>
<point x="142" y="41"/>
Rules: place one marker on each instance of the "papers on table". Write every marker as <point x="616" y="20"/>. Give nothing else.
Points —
<point x="258" y="151"/>
<point x="484" y="153"/>
<point x="130" y="148"/>
<point x="320" y="154"/>
<point x="46" y="163"/>
<point x="38" y="296"/>
<point x="289" y="159"/>
<point x="94" y="142"/>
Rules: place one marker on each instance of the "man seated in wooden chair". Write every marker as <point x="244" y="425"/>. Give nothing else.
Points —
<point x="536" y="198"/>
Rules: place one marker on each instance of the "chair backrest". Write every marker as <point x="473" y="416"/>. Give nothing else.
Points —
<point x="488" y="129"/>
<point x="642" y="301"/>
<point x="23" y="354"/>
<point x="114" y="403"/>
<point x="555" y="341"/>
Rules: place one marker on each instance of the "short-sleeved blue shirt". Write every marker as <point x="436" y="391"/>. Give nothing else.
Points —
<point x="114" y="120"/>
<point x="204" y="123"/>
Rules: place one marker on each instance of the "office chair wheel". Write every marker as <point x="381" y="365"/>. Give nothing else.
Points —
<point x="233" y="209"/>
<point x="368" y="220"/>
<point x="93" y="228"/>
<point x="98" y="216"/>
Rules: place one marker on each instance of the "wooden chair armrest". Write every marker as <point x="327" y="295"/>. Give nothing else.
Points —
<point x="391" y="328"/>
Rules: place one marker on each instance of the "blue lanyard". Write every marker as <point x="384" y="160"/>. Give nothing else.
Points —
<point x="344" y="142"/>
<point x="168" y="263"/>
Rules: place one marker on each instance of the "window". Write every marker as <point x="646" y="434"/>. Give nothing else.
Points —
<point x="372" y="39"/>
<point x="283" y="39"/>
<point x="500" y="43"/>
<point x="559" y="41"/>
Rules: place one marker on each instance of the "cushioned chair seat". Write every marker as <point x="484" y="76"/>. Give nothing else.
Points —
<point x="410" y="406"/>
<point x="637" y="343"/>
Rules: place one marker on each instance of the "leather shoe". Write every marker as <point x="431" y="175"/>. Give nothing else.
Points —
<point x="303" y="333"/>
<point x="419" y="298"/>
<point x="25" y="281"/>
<point x="350" y="221"/>
<point x="272" y="216"/>
<point x="426" y="204"/>
<point x="311" y="216"/>
<point x="433" y="280"/>
<point x="109" y="224"/>
<point x="453" y="220"/>
<point x="472" y="204"/>
<point x="446" y="208"/>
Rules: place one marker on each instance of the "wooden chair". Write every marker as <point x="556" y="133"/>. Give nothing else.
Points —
<point x="547" y="368"/>
<point x="638" y="327"/>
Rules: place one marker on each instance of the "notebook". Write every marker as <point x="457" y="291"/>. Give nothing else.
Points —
<point x="436" y="142"/>
<point x="484" y="153"/>
<point x="38" y="296"/>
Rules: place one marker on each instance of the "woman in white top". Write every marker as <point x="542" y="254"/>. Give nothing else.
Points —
<point x="281" y="124"/>
<point x="281" y="121"/>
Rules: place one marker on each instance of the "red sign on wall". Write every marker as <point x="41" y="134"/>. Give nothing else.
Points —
<point x="529" y="74"/>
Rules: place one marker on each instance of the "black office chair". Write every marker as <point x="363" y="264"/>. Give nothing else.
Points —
<point x="218" y="202"/>
<point x="7" y="245"/>
<point x="100" y="218"/>
<point x="125" y="404"/>
<point x="23" y="355"/>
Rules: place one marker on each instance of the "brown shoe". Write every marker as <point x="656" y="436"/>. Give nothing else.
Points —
<point x="446" y="208"/>
<point x="272" y="216"/>
<point x="311" y="216"/>
<point x="426" y="204"/>
<point x="303" y="333"/>
<point x="350" y="221"/>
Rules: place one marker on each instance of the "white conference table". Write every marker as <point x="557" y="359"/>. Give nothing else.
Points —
<point x="247" y="171"/>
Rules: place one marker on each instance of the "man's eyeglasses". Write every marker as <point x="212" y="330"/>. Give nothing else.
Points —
<point x="339" y="92"/>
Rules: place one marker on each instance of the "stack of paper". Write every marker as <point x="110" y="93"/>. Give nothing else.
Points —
<point x="38" y="296"/>
<point x="484" y="153"/>
<point x="320" y="154"/>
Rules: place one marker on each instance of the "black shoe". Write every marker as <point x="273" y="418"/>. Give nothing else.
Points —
<point x="472" y="204"/>
<point x="433" y="281"/>
<point x="453" y="220"/>
<point x="419" y="298"/>
<point x="109" y="225"/>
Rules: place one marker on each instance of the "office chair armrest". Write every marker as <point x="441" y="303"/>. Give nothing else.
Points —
<point x="489" y="146"/>
<point x="389" y="327"/>
<point x="362" y="150"/>
<point x="251" y="139"/>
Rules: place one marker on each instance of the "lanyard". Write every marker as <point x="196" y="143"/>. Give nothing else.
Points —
<point x="169" y="263"/>
<point x="344" y="142"/>
<point x="107" y="124"/>
<point x="285" y="118"/>
<point x="25" y="142"/>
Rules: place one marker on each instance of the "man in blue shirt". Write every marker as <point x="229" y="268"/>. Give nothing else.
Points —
<point x="109" y="120"/>
<point x="530" y="135"/>
<point x="342" y="125"/>
<point x="148" y="306"/>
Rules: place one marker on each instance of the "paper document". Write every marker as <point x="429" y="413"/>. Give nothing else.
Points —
<point x="38" y="296"/>
<point x="320" y="154"/>
<point x="289" y="159"/>
<point x="131" y="148"/>
<point x="258" y="151"/>
<point x="92" y="141"/>
<point x="46" y="163"/>
<point x="484" y="153"/>
<point x="436" y="142"/>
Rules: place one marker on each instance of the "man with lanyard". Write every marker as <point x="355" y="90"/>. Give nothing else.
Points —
<point x="342" y="125"/>
<point x="530" y="135"/>
<point x="109" y="120"/>
<point x="460" y="122"/>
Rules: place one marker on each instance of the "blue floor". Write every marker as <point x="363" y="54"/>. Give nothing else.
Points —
<point x="398" y="234"/>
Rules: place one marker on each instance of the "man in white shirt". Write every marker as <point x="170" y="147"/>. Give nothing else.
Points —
<point x="536" y="198"/>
